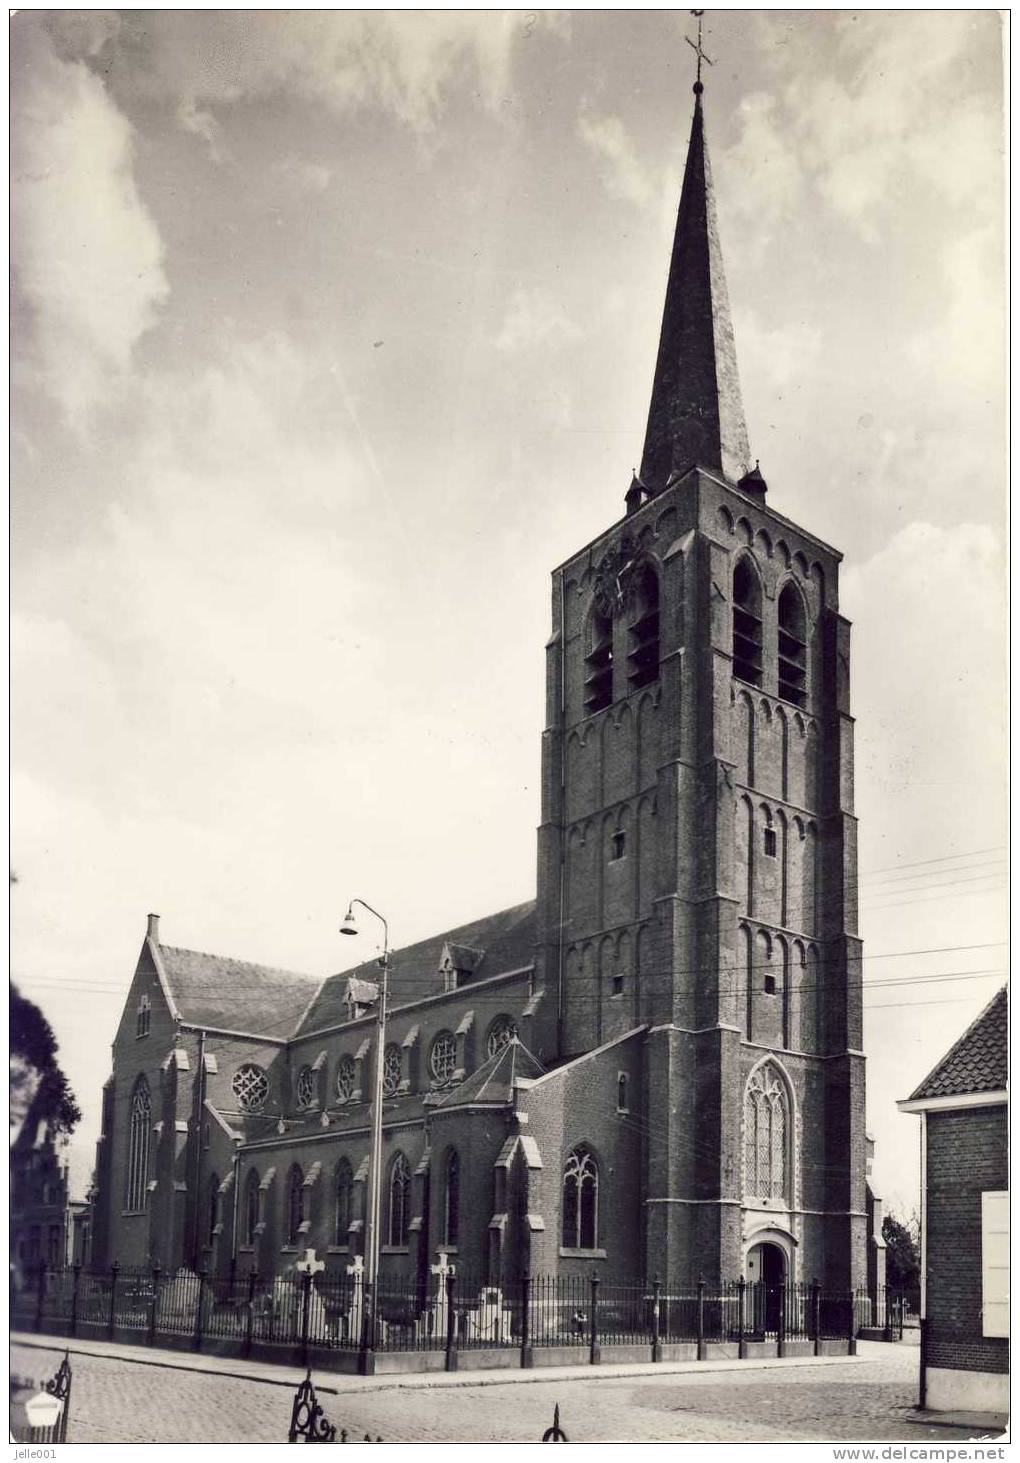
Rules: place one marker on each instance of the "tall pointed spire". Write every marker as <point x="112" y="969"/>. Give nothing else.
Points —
<point x="696" y="413"/>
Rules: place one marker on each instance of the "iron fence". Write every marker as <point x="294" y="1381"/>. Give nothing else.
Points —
<point x="333" y="1311"/>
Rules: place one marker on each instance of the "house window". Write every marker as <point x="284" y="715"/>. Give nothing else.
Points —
<point x="451" y="1198"/>
<point x="251" y="1207"/>
<point x="342" y="1208"/>
<point x="618" y="847"/>
<point x="142" y="1017"/>
<point x="251" y="1087"/>
<point x="766" y="1133"/>
<point x="501" y="1033"/>
<point x="995" y="1263"/>
<point x="769" y="840"/>
<point x="139" y="1143"/>
<point x="580" y="1200"/>
<point x="391" y="1069"/>
<point x="443" y="1057"/>
<point x="295" y="1205"/>
<point x="345" y="1079"/>
<point x="617" y="985"/>
<point x="621" y="1092"/>
<point x="399" y="1217"/>
<point x="305" y="1087"/>
<point x="746" y="624"/>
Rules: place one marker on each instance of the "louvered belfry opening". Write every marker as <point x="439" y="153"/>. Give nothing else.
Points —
<point x="643" y="631"/>
<point x="792" y="647"/>
<point x="746" y="625"/>
<point x="598" y="684"/>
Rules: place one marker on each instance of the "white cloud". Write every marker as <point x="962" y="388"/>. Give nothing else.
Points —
<point x="534" y="318"/>
<point x="622" y="173"/>
<point x="87" y="257"/>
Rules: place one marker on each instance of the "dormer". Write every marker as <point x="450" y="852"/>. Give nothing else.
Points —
<point x="458" y="965"/>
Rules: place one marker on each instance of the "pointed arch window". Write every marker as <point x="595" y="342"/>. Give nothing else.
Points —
<point x="643" y="630"/>
<point x="295" y="1205"/>
<point x="746" y="624"/>
<point x="213" y="1210"/>
<point x="581" y="1200"/>
<point x="251" y="1208"/>
<point x="501" y="1033"/>
<point x="451" y="1198"/>
<point x="392" y="1069"/>
<point x="139" y="1148"/>
<point x="342" y="1204"/>
<point x="792" y="646"/>
<point x="766" y="1136"/>
<point x="398" y="1217"/>
<point x="598" y="663"/>
<point x="142" y="1016"/>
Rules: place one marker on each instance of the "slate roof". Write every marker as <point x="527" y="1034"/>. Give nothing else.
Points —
<point x="506" y="941"/>
<point x="215" y="990"/>
<point x="978" y="1062"/>
<point x="493" y="1081"/>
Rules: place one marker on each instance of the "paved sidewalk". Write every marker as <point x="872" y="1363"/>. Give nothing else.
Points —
<point x="338" y="1383"/>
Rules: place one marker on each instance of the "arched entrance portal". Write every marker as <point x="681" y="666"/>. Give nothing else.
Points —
<point x="766" y="1271"/>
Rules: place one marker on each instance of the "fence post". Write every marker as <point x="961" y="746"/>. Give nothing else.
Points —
<point x="249" y="1325"/>
<point x="594" y="1355"/>
<point x="741" y="1291"/>
<point x="526" y="1357"/>
<point x="114" y="1268"/>
<point x="701" y="1318"/>
<point x="366" y="1354"/>
<point x="781" y="1322"/>
<point x="40" y="1295"/>
<point x="306" y="1306"/>
<point x="656" y="1342"/>
<point x="888" y="1323"/>
<point x="451" y="1325"/>
<point x="816" y="1319"/>
<point x="851" y="1334"/>
<point x="157" y="1276"/>
<point x="197" y="1339"/>
<point x="74" y="1300"/>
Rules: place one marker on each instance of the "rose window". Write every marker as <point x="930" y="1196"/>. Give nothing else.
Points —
<point x="345" y="1075"/>
<point x="443" y="1056"/>
<point x="250" y="1087"/>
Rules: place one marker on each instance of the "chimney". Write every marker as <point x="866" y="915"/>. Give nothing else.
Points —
<point x="153" y="930"/>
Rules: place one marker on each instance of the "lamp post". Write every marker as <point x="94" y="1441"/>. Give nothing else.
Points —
<point x="349" y="927"/>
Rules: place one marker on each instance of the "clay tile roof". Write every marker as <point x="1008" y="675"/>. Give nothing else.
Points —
<point x="504" y="941"/>
<point x="978" y="1061"/>
<point x="215" y="990"/>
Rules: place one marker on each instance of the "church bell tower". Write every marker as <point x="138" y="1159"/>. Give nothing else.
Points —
<point x="697" y="851"/>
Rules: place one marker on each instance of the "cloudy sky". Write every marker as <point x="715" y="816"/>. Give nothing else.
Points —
<point x="334" y="332"/>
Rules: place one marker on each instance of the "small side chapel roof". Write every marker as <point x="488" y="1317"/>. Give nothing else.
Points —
<point x="493" y="1081"/>
<point x="216" y="990"/>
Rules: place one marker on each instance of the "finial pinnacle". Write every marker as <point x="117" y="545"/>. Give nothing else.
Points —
<point x="696" y="47"/>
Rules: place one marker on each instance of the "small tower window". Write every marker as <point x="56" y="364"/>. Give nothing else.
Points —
<point x="769" y="838"/>
<point x="792" y="647"/>
<point x="643" y="630"/>
<point x="142" y="1017"/>
<point x="621" y="1092"/>
<point x="598" y="664"/>
<point x="746" y="624"/>
<point x="618" y="847"/>
<point x="770" y="985"/>
<point x="617" y="985"/>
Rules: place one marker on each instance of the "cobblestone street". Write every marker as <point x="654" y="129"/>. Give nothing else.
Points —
<point x="870" y="1398"/>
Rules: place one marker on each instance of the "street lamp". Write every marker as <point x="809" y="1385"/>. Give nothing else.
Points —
<point x="349" y="927"/>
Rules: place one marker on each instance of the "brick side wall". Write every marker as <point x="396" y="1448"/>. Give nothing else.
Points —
<point x="967" y="1154"/>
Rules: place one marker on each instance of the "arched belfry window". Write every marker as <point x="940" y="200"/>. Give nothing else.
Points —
<point x="746" y="624"/>
<point x="581" y="1200"/>
<point x="399" y="1215"/>
<point x="139" y="1146"/>
<point x="598" y="663"/>
<point x="792" y="646"/>
<point x="643" y="629"/>
<point x="451" y="1198"/>
<point x="766" y="1135"/>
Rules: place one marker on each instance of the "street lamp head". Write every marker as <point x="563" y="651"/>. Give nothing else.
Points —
<point x="349" y="927"/>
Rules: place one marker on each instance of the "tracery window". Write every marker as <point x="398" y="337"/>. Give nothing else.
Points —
<point x="399" y="1215"/>
<point x="251" y="1087"/>
<point x="443" y="1056"/>
<point x="581" y="1200"/>
<point x="345" y="1079"/>
<point x="251" y="1208"/>
<point x="392" y="1069"/>
<point x="451" y="1198"/>
<point x="342" y="1206"/>
<point x="501" y="1033"/>
<point x="295" y="1205"/>
<point x="143" y="1017"/>
<point x="139" y="1146"/>
<point x="305" y="1087"/>
<point x="766" y="1134"/>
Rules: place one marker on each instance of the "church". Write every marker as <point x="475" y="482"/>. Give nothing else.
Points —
<point x="655" y="1067"/>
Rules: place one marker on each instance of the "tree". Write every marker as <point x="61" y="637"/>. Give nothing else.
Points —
<point x="902" y="1261"/>
<point x="36" y="1075"/>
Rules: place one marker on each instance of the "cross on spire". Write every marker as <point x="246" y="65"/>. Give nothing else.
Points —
<point x="697" y="49"/>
